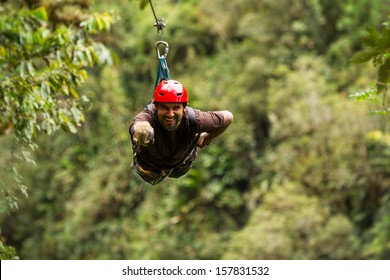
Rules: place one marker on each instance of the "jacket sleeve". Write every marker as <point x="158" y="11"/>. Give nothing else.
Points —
<point x="210" y="120"/>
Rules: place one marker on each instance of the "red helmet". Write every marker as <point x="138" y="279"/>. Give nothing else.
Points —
<point x="170" y="91"/>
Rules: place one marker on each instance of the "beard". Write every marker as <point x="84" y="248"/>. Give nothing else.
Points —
<point x="170" y="124"/>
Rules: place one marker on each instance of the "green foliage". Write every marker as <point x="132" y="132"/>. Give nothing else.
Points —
<point x="377" y="44"/>
<point x="7" y="252"/>
<point x="379" y="247"/>
<point x="42" y="65"/>
<point x="42" y="69"/>
<point x="293" y="225"/>
<point x="379" y="235"/>
<point x="377" y="50"/>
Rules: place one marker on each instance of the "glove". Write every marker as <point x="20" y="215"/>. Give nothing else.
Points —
<point x="204" y="140"/>
<point x="143" y="133"/>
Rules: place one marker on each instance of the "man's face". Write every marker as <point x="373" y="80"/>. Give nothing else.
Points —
<point x="170" y="114"/>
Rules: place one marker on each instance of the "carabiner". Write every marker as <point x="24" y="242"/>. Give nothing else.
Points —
<point x="158" y="49"/>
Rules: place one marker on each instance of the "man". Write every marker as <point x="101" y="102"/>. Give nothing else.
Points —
<point x="166" y="133"/>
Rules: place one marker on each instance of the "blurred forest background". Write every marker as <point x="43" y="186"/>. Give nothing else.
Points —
<point x="302" y="173"/>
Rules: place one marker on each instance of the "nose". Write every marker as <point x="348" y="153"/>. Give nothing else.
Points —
<point x="170" y="113"/>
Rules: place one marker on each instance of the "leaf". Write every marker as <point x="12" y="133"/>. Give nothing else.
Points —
<point x="45" y="89"/>
<point x="108" y="21"/>
<point x="77" y="115"/>
<point x="85" y="98"/>
<point x="372" y="38"/>
<point x="101" y="54"/>
<point x="143" y="4"/>
<point x="23" y="189"/>
<point x="27" y="157"/>
<point x="3" y="52"/>
<point x="100" y="23"/>
<point x="97" y="22"/>
<point x="72" y="127"/>
<point x="370" y="94"/>
<point x="63" y="118"/>
<point x="40" y="13"/>
<point x="30" y="68"/>
<point x="83" y="74"/>
<point x="364" y="56"/>
<point x="48" y="125"/>
<point x="54" y="82"/>
<point x="73" y="92"/>
<point x="22" y="68"/>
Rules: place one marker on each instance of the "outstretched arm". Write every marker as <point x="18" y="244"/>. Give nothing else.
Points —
<point x="206" y="137"/>
<point x="142" y="132"/>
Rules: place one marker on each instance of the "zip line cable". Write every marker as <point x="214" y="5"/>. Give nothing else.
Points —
<point x="173" y="12"/>
<point x="159" y="21"/>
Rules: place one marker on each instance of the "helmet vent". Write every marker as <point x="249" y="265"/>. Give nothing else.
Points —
<point x="179" y="94"/>
<point x="161" y="94"/>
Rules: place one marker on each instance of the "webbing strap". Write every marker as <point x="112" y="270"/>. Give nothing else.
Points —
<point x="162" y="49"/>
<point x="162" y="71"/>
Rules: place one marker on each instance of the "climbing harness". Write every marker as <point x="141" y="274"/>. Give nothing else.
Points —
<point x="154" y="174"/>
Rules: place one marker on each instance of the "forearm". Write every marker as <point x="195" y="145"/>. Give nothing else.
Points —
<point x="228" y="119"/>
<point x="206" y="137"/>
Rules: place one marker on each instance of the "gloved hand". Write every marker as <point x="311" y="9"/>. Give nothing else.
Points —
<point x="204" y="140"/>
<point x="143" y="133"/>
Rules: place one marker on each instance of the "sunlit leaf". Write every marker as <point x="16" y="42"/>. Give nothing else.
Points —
<point x="72" y="127"/>
<point x="40" y="13"/>
<point x="73" y="92"/>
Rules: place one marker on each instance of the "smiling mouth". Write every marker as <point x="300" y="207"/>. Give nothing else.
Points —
<point x="170" y="121"/>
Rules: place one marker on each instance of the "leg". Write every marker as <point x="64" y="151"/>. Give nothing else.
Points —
<point x="151" y="176"/>
<point x="184" y="168"/>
